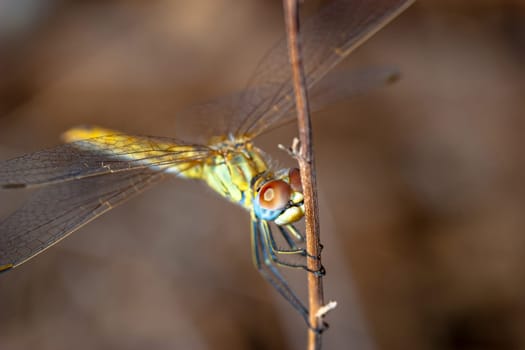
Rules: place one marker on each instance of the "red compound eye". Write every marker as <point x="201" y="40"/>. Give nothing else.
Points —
<point x="274" y="195"/>
<point x="295" y="180"/>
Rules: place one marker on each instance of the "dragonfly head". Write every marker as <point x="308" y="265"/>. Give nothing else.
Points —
<point x="279" y="198"/>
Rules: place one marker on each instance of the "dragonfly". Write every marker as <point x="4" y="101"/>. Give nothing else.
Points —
<point x="97" y="169"/>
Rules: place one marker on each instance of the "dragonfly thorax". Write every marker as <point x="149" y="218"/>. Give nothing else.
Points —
<point x="239" y="172"/>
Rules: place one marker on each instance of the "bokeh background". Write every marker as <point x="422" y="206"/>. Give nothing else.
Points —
<point x="421" y="183"/>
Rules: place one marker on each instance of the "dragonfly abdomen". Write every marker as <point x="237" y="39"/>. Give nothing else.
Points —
<point x="159" y="154"/>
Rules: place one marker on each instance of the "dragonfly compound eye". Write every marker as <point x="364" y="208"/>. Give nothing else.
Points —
<point x="274" y="195"/>
<point x="295" y="180"/>
<point x="273" y="199"/>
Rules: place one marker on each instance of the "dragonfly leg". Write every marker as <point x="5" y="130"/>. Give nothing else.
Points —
<point x="293" y="248"/>
<point x="262" y="259"/>
<point x="286" y="230"/>
<point x="269" y="241"/>
<point x="295" y="232"/>
<point x="264" y="264"/>
<point x="292" y="229"/>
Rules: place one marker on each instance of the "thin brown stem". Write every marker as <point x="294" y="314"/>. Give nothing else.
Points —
<point x="308" y="176"/>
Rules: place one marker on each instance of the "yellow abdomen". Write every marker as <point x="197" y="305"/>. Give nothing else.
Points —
<point x="228" y="167"/>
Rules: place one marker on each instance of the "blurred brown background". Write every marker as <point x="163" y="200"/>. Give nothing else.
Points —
<point x="420" y="183"/>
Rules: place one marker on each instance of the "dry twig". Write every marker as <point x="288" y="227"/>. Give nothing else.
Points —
<point x="308" y="176"/>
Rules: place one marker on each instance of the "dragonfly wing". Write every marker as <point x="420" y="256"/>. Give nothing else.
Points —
<point x="96" y="156"/>
<point x="327" y="38"/>
<point x="342" y="84"/>
<point x="54" y="212"/>
<point x="339" y="86"/>
<point x="336" y="86"/>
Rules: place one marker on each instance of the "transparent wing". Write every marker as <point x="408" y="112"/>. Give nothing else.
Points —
<point x="334" y="87"/>
<point x="54" y="212"/>
<point x="97" y="156"/>
<point x="327" y="38"/>
<point x="339" y="86"/>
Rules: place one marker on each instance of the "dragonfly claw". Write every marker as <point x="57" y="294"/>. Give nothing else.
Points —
<point x="319" y="329"/>
<point x="321" y="272"/>
<point x="318" y="273"/>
